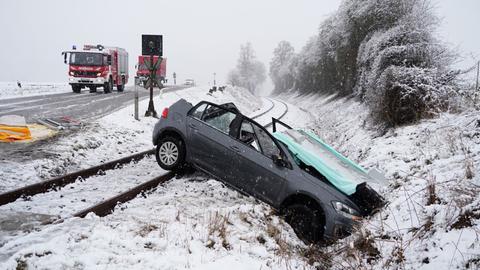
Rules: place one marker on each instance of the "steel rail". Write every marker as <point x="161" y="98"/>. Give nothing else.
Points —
<point x="45" y="186"/>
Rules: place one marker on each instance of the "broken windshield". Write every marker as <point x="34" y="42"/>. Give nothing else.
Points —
<point x="311" y="153"/>
<point x="86" y="59"/>
<point x="331" y="159"/>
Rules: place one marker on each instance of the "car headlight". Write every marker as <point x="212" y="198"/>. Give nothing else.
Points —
<point x="99" y="74"/>
<point x="71" y="73"/>
<point x="346" y="211"/>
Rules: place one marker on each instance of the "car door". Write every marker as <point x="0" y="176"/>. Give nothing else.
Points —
<point x="258" y="175"/>
<point x="208" y="128"/>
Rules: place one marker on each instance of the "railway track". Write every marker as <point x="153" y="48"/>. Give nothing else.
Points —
<point x="281" y="116"/>
<point x="265" y="112"/>
<point x="105" y="207"/>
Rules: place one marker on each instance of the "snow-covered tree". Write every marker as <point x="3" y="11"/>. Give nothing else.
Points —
<point x="233" y="77"/>
<point x="282" y="65"/>
<point x="383" y="51"/>
<point x="249" y="72"/>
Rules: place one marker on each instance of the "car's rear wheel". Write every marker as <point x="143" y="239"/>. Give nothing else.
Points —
<point x="170" y="153"/>
<point x="306" y="221"/>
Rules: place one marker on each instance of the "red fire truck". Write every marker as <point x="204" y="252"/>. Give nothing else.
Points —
<point x="143" y="72"/>
<point x="97" y="66"/>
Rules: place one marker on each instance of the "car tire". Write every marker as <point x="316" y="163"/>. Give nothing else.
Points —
<point x="306" y="221"/>
<point x="170" y="153"/>
<point x="76" y="89"/>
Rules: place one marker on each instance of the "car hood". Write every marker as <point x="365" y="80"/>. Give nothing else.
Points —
<point x="340" y="171"/>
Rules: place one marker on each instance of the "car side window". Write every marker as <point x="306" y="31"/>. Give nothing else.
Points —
<point x="197" y="113"/>
<point x="268" y="146"/>
<point x="218" y="118"/>
<point x="247" y="135"/>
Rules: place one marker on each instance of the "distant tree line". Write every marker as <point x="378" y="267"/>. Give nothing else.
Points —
<point x="383" y="51"/>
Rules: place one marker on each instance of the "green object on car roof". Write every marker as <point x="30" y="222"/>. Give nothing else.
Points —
<point x="309" y="149"/>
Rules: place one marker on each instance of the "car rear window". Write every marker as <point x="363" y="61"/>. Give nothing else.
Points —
<point x="218" y="118"/>
<point x="197" y="113"/>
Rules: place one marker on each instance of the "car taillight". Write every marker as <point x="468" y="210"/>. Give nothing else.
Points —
<point x="165" y="113"/>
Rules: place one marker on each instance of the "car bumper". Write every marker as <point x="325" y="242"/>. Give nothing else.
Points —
<point x="86" y="81"/>
<point x="339" y="227"/>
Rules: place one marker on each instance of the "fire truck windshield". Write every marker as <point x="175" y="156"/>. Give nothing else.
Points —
<point x="86" y="59"/>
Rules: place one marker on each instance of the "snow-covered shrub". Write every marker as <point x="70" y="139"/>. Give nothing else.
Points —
<point x="407" y="94"/>
<point x="403" y="71"/>
<point x="383" y="51"/>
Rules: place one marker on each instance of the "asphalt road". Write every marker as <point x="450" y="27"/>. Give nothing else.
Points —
<point x="83" y="106"/>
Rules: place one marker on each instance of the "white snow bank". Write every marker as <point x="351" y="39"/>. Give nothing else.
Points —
<point x="11" y="89"/>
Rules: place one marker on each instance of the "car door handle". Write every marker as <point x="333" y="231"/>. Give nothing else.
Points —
<point x="192" y="126"/>
<point x="235" y="148"/>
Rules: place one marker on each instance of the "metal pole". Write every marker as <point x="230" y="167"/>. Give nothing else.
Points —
<point x="214" y="82"/>
<point x="151" y="108"/>
<point x="136" y="99"/>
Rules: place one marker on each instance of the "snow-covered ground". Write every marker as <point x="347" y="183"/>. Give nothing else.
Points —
<point x="11" y="89"/>
<point x="187" y="223"/>
<point x="432" y="220"/>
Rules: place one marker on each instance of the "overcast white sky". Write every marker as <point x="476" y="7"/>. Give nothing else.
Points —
<point x="200" y="37"/>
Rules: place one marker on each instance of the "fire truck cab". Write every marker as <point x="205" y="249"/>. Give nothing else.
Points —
<point x="97" y="66"/>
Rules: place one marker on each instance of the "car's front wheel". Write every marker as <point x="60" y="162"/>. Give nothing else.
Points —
<point x="306" y="221"/>
<point x="170" y="153"/>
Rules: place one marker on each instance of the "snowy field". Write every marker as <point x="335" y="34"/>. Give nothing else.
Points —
<point x="11" y="89"/>
<point x="431" y="222"/>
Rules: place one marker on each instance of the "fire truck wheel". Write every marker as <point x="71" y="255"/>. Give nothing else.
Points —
<point x="121" y="86"/>
<point x="93" y="89"/>
<point x="76" y="88"/>
<point x="108" y="86"/>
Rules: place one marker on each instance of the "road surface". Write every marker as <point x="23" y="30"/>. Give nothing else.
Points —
<point x="83" y="106"/>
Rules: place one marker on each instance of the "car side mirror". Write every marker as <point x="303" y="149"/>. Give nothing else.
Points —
<point x="279" y="161"/>
<point x="64" y="58"/>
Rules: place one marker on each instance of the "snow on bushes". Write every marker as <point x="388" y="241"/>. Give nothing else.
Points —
<point x="385" y="53"/>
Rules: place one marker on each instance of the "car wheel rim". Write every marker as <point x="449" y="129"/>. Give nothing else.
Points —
<point x="168" y="153"/>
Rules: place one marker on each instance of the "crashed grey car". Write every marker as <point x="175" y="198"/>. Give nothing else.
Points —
<point x="223" y="143"/>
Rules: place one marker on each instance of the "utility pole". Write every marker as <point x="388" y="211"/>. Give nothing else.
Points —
<point x="214" y="82"/>
<point x="174" y="78"/>
<point x="137" y="81"/>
